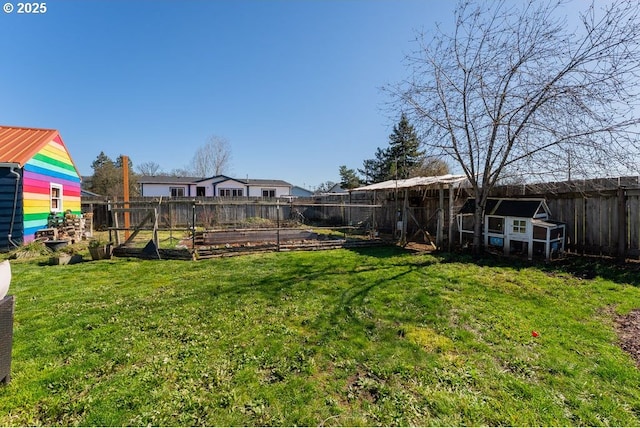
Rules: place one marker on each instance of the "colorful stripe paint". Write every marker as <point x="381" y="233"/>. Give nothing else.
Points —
<point x="51" y="165"/>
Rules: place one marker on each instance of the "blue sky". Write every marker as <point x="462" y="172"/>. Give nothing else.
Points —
<point x="293" y="85"/>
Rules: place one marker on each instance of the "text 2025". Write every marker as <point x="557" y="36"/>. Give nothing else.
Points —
<point x="32" y="8"/>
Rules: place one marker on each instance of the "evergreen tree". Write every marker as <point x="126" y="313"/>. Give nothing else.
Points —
<point x="399" y="159"/>
<point x="107" y="177"/>
<point x="403" y="154"/>
<point x="348" y="178"/>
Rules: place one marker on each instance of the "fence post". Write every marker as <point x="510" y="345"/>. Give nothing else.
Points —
<point x="278" y="224"/>
<point x="622" y="224"/>
<point x="193" y="225"/>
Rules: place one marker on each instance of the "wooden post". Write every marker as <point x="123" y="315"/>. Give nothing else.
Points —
<point x="451" y="217"/>
<point x="405" y="216"/>
<point x="193" y="225"/>
<point x="374" y="227"/>
<point x="278" y="225"/>
<point x="622" y="224"/>
<point x="439" y="230"/>
<point x="125" y="185"/>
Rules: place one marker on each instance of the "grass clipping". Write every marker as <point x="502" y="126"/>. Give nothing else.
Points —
<point x="31" y="250"/>
<point x="428" y="339"/>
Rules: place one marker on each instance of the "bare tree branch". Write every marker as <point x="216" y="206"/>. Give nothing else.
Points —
<point x="513" y="90"/>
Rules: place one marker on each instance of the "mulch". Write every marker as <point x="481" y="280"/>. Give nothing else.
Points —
<point x="628" y="328"/>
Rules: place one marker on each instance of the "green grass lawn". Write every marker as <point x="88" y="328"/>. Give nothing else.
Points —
<point x="367" y="337"/>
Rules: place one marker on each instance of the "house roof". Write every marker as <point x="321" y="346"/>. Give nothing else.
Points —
<point x="19" y="145"/>
<point x="527" y="208"/>
<point x="261" y="182"/>
<point x="258" y="182"/>
<point x="167" y="179"/>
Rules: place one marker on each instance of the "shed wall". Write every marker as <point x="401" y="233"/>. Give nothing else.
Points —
<point x="7" y="195"/>
<point x="51" y="165"/>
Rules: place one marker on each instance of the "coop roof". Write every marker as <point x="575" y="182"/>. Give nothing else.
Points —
<point x="456" y="180"/>
<point x="528" y="208"/>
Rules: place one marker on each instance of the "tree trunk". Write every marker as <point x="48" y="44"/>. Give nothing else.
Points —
<point x="478" y="219"/>
<point x="477" y="228"/>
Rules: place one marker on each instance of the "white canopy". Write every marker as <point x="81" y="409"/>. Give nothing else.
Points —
<point x="455" y="180"/>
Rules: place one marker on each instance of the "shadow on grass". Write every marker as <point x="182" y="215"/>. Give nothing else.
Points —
<point x="347" y="286"/>
<point x="582" y="267"/>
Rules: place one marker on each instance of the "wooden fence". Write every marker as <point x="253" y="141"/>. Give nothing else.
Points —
<point x="602" y="218"/>
<point x="600" y="221"/>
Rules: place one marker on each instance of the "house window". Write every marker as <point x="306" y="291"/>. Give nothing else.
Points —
<point x="177" y="192"/>
<point x="268" y="193"/>
<point x="519" y="226"/>
<point x="231" y="192"/>
<point x="56" y="198"/>
<point x="200" y="191"/>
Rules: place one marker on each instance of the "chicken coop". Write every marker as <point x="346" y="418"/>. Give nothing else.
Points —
<point x="515" y="226"/>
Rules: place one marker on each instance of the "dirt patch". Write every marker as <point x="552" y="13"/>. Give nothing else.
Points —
<point x="628" y="328"/>
<point x="420" y="248"/>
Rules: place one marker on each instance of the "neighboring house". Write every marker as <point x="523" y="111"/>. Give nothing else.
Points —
<point x="301" y="192"/>
<point x="266" y="188"/>
<point x="177" y="187"/>
<point x="37" y="178"/>
<point x="337" y="188"/>
<point x="515" y="226"/>
<point x="218" y="186"/>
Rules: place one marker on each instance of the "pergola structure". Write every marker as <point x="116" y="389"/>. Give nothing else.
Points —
<point x="440" y="183"/>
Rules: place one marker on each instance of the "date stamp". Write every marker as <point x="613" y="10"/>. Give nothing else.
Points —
<point x="25" y="8"/>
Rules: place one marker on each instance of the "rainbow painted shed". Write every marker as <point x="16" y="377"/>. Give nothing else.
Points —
<point x="37" y="178"/>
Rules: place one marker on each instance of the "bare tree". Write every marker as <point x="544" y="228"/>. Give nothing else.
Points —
<point x="514" y="91"/>
<point x="214" y="158"/>
<point x="149" y="168"/>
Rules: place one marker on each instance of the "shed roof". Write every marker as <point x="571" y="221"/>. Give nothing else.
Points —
<point x="456" y="180"/>
<point x="18" y="145"/>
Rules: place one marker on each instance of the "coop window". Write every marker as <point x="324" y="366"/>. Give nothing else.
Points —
<point x="268" y="193"/>
<point x="177" y="192"/>
<point x="56" y="198"/>
<point x="519" y="226"/>
<point x="495" y="224"/>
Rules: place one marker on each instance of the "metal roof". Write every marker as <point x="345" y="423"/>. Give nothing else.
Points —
<point x="18" y="145"/>
<point x="456" y="180"/>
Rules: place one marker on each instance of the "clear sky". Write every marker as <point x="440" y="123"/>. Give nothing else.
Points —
<point x="293" y="85"/>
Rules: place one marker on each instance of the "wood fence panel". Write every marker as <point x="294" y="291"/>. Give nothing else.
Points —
<point x="594" y="225"/>
<point x="633" y="225"/>
<point x="612" y="216"/>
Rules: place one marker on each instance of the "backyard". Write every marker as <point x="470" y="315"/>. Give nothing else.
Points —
<point x="377" y="336"/>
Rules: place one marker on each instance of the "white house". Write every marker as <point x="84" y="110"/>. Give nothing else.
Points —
<point x="515" y="226"/>
<point x="253" y="188"/>
<point x="177" y="187"/>
<point x="217" y="186"/>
